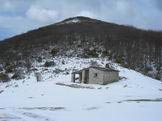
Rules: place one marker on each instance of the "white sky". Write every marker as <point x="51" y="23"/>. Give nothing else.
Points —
<point x="18" y="16"/>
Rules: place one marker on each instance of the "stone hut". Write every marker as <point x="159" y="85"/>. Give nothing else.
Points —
<point x="95" y="75"/>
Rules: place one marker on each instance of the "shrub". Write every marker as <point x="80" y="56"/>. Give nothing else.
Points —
<point x="92" y="53"/>
<point x="1" y="67"/>
<point x="49" y="63"/>
<point x="120" y="60"/>
<point x="39" y="59"/>
<point x="4" y="77"/>
<point x="9" y="68"/>
<point x="54" y="51"/>
<point x="105" y="53"/>
<point x="19" y="74"/>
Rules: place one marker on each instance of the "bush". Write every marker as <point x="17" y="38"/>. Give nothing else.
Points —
<point x="19" y="74"/>
<point x="105" y="53"/>
<point x="159" y="75"/>
<point x="21" y="63"/>
<point x="39" y="59"/>
<point x="120" y="60"/>
<point x="10" y="68"/>
<point x="4" y="77"/>
<point x="1" y="68"/>
<point x="54" y="51"/>
<point x="92" y="53"/>
<point x="49" y="64"/>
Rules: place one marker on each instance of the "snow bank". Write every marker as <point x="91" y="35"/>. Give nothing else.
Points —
<point x="31" y="100"/>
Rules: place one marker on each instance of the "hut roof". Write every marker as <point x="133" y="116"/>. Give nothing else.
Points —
<point x="103" y="69"/>
<point x="95" y="67"/>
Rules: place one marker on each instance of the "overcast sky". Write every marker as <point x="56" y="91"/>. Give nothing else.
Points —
<point x="18" y="16"/>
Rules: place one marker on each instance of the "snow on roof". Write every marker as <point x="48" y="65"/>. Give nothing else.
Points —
<point x="103" y="69"/>
<point x="95" y="67"/>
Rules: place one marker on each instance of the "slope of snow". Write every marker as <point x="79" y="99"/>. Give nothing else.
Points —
<point x="74" y="20"/>
<point x="134" y="98"/>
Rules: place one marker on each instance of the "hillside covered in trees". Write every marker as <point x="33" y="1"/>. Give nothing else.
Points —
<point x="84" y="37"/>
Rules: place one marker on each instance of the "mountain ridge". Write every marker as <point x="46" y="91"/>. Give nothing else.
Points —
<point x="83" y="19"/>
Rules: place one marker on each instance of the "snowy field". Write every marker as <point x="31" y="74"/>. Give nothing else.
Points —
<point x="134" y="98"/>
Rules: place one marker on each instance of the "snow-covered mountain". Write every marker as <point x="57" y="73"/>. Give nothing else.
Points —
<point x="134" y="98"/>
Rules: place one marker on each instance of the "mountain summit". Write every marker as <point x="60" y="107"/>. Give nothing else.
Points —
<point x="78" y="19"/>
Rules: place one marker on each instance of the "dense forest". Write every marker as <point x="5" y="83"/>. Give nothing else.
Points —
<point x="129" y="46"/>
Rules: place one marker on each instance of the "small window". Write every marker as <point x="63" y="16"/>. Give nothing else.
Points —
<point x="95" y="74"/>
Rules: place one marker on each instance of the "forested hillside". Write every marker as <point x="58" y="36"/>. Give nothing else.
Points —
<point x="85" y="37"/>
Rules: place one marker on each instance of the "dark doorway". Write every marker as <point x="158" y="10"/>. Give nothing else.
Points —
<point x="86" y="77"/>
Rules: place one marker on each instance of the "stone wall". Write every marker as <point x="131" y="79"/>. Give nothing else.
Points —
<point x="111" y="76"/>
<point x="102" y="77"/>
<point x="95" y="76"/>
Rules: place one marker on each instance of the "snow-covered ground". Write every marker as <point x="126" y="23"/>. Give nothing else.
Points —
<point x="134" y="98"/>
<point x="75" y="20"/>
